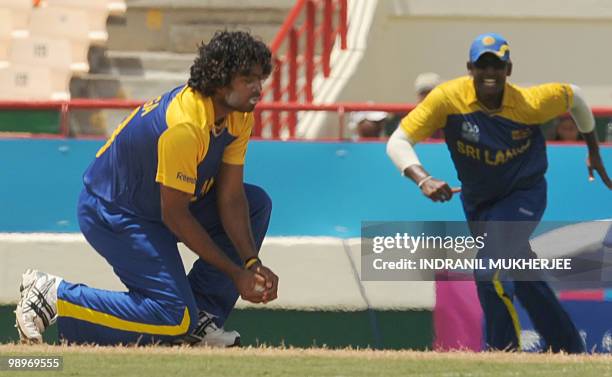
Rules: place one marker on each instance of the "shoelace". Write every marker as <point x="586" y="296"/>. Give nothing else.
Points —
<point x="204" y="321"/>
<point x="40" y="305"/>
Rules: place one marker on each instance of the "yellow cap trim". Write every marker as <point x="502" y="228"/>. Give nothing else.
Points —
<point x="502" y="50"/>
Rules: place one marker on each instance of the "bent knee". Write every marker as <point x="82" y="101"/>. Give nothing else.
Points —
<point x="258" y="198"/>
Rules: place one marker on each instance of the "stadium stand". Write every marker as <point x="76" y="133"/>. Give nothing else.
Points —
<point x="53" y="54"/>
<point x="116" y="7"/>
<point x="25" y="82"/>
<point x="20" y="12"/>
<point x="97" y="14"/>
<point x="151" y="47"/>
<point x="6" y="27"/>
<point x="64" y="23"/>
<point x="55" y="34"/>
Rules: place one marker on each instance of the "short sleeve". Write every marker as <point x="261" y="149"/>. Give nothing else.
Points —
<point x="179" y="151"/>
<point x="235" y="152"/>
<point x="552" y="100"/>
<point x="429" y="116"/>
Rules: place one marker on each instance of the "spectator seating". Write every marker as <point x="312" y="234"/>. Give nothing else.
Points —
<point x="43" y="43"/>
<point x="20" y="12"/>
<point x="26" y="82"/>
<point x="97" y="13"/>
<point x="116" y="7"/>
<point x="6" y="27"/>
<point x="53" y="54"/>
<point x="66" y="24"/>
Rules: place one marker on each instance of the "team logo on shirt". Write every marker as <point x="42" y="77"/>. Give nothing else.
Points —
<point x="470" y="131"/>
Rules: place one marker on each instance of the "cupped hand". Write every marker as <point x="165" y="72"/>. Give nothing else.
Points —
<point x="437" y="190"/>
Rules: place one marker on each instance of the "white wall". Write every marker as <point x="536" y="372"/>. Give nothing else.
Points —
<point x="316" y="273"/>
<point x="550" y="40"/>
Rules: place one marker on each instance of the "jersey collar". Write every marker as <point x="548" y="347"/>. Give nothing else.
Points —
<point x="508" y="100"/>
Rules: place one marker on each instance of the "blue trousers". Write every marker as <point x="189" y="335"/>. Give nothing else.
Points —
<point x="162" y="303"/>
<point x="509" y="223"/>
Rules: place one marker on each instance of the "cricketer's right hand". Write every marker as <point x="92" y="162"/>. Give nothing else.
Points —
<point x="437" y="190"/>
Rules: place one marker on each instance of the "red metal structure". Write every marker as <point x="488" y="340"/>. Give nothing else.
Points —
<point x="341" y="108"/>
<point x="300" y="50"/>
<point x="64" y="108"/>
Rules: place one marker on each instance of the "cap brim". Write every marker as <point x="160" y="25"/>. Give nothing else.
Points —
<point x="503" y="57"/>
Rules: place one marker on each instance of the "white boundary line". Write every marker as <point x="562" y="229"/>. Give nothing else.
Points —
<point x="78" y="237"/>
<point x="42" y="237"/>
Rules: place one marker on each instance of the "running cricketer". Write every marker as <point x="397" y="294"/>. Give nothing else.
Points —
<point x="171" y="172"/>
<point x="492" y="132"/>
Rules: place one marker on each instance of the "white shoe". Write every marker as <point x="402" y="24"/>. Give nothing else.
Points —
<point x="209" y="334"/>
<point x="37" y="307"/>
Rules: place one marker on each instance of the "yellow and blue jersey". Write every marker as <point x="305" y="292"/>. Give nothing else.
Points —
<point x="170" y="141"/>
<point x="494" y="152"/>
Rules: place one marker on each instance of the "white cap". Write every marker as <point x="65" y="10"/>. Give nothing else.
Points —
<point x="359" y="116"/>
<point x="426" y="81"/>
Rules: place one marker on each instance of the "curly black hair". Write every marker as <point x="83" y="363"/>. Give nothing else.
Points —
<point x="228" y="53"/>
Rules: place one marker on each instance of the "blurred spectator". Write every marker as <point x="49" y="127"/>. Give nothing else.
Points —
<point x="566" y="130"/>
<point x="423" y="84"/>
<point x="368" y="124"/>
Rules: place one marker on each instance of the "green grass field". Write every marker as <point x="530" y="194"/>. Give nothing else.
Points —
<point x="269" y="362"/>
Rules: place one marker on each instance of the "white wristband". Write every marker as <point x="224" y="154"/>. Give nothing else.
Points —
<point x="401" y="151"/>
<point x="581" y="112"/>
<point x="424" y="180"/>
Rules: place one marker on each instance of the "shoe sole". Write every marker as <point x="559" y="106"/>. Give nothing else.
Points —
<point x="236" y="343"/>
<point x="23" y="338"/>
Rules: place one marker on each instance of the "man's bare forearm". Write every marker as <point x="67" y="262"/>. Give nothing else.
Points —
<point x="416" y="172"/>
<point x="189" y="231"/>
<point x="234" y="213"/>
<point x="590" y="139"/>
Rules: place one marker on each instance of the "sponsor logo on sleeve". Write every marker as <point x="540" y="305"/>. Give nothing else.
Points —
<point x="185" y="178"/>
